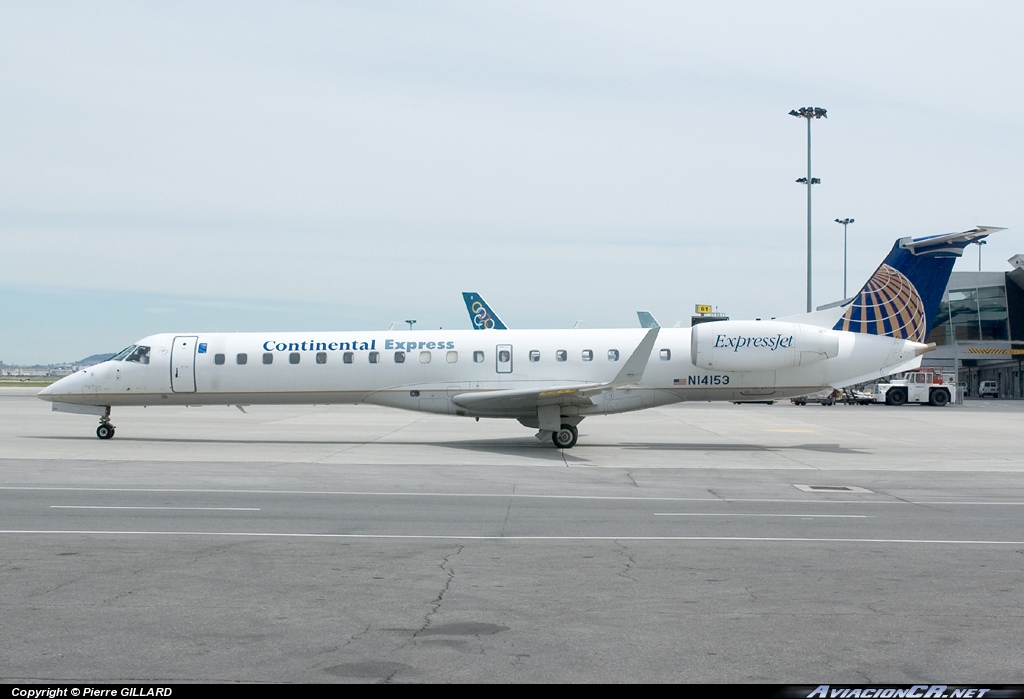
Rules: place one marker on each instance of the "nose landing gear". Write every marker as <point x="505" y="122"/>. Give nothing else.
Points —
<point x="105" y="430"/>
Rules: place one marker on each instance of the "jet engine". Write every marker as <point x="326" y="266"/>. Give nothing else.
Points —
<point x="753" y="345"/>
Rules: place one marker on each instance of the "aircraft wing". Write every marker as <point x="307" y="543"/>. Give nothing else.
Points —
<point x="517" y="400"/>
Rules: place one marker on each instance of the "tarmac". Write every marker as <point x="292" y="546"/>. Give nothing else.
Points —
<point x="702" y="543"/>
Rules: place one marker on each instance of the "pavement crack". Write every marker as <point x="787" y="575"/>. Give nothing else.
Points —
<point x="630" y="562"/>
<point x="435" y="604"/>
<point x="508" y="512"/>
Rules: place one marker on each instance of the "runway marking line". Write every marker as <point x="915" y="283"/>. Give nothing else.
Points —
<point x="456" y="537"/>
<point x="752" y="514"/>
<point x="146" y="507"/>
<point x="808" y="501"/>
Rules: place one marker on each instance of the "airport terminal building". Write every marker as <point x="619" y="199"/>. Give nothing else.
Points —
<point x="980" y="329"/>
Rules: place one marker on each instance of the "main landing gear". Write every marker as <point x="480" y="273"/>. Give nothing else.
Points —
<point x="565" y="438"/>
<point x="105" y="430"/>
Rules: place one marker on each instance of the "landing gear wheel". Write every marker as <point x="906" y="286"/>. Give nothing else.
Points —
<point x="105" y="431"/>
<point x="566" y="437"/>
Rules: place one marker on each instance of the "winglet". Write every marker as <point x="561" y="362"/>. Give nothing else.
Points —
<point x="633" y="370"/>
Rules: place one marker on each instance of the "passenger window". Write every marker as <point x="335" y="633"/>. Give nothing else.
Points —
<point x="241" y="358"/>
<point x="561" y="355"/>
<point x="347" y="357"/>
<point x="478" y="357"/>
<point x="293" y="358"/>
<point x="452" y="357"/>
<point x="504" y="356"/>
<point x="374" y="357"/>
<point x="218" y="359"/>
<point x="613" y="355"/>
<point x="321" y="357"/>
<point x="588" y="355"/>
<point x="399" y="357"/>
<point x="268" y="358"/>
<point x="424" y="357"/>
<point x="665" y="355"/>
<point x="534" y="356"/>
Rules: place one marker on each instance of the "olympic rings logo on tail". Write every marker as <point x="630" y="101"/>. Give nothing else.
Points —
<point x="481" y="318"/>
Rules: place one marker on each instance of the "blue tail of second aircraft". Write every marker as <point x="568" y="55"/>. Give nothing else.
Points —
<point x="902" y="297"/>
<point x="480" y="314"/>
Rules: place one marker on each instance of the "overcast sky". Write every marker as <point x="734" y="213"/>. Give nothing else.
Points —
<point x="210" y="166"/>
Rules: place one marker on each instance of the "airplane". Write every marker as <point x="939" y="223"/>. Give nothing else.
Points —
<point x="483" y="318"/>
<point x="548" y="380"/>
<point x="480" y="314"/>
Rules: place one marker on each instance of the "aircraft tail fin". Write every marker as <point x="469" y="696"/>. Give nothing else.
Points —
<point x="647" y="320"/>
<point x="902" y="297"/>
<point x="480" y="314"/>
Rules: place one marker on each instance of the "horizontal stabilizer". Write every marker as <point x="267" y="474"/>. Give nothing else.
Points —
<point x="902" y="297"/>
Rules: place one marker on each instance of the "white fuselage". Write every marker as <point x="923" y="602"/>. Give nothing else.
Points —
<point x="425" y="370"/>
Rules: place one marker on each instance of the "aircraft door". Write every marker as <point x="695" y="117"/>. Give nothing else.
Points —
<point x="183" y="364"/>
<point x="503" y="359"/>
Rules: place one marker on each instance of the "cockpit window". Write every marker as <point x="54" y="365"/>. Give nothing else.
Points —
<point x="122" y="354"/>
<point x="140" y="355"/>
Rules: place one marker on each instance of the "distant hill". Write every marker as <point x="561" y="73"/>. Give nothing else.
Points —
<point x="95" y="359"/>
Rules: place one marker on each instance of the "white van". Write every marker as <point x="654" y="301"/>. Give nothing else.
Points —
<point x="988" y="388"/>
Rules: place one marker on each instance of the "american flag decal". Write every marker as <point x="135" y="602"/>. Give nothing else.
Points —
<point x="887" y="305"/>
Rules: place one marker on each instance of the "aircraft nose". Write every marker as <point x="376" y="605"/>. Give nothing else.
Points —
<point x="56" y="389"/>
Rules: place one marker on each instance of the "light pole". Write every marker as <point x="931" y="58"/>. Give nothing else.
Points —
<point x="846" y="222"/>
<point x="980" y="243"/>
<point x="809" y="113"/>
<point x="411" y="323"/>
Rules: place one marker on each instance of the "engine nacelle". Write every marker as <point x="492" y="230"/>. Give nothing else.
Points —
<point x="754" y="345"/>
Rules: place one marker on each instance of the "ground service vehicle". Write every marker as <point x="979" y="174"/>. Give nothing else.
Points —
<point x="929" y="386"/>
<point x="988" y="388"/>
